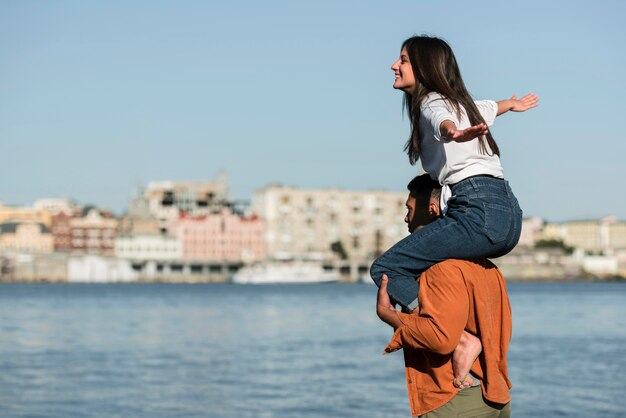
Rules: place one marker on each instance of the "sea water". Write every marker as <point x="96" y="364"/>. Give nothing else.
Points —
<point x="222" y="350"/>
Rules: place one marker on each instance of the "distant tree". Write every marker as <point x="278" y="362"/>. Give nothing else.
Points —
<point x="554" y="243"/>
<point x="337" y="248"/>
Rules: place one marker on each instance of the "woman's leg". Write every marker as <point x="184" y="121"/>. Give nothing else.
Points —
<point x="482" y="221"/>
<point x="448" y="237"/>
<point x="516" y="224"/>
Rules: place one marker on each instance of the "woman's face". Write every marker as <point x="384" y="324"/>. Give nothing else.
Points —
<point x="405" y="80"/>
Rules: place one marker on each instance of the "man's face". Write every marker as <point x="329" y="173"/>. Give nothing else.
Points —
<point x="417" y="212"/>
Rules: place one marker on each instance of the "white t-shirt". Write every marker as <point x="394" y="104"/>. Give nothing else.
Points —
<point x="450" y="162"/>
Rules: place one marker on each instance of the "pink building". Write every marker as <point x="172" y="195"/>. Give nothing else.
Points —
<point x="222" y="236"/>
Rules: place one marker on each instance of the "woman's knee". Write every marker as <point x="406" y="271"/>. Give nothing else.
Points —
<point x="377" y="270"/>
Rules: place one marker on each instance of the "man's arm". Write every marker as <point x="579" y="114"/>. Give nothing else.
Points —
<point x="384" y="308"/>
<point x="442" y="314"/>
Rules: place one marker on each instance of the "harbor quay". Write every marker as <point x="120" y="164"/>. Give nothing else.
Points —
<point x="67" y="268"/>
<point x="521" y="264"/>
<point x="195" y="232"/>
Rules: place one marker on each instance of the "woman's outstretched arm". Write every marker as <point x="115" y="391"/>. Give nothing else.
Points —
<point x="449" y="132"/>
<point x="518" y="105"/>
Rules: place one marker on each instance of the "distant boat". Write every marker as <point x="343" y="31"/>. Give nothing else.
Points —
<point x="298" y="272"/>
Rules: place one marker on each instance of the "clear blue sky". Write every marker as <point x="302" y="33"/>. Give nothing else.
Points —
<point x="97" y="98"/>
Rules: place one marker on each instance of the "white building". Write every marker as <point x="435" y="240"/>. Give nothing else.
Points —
<point x="56" y="205"/>
<point x="99" y="269"/>
<point x="305" y="223"/>
<point x="599" y="265"/>
<point x="148" y="247"/>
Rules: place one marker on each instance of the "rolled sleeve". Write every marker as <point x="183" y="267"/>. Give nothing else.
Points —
<point x="488" y="110"/>
<point x="435" y="109"/>
<point x="442" y="316"/>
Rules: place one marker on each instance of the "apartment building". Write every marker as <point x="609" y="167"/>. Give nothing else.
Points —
<point x="26" y="236"/>
<point x="61" y="231"/>
<point x="323" y="223"/>
<point x="221" y="236"/>
<point x="605" y="235"/>
<point x="167" y="199"/>
<point x="21" y="214"/>
<point x="93" y="233"/>
<point x="139" y="220"/>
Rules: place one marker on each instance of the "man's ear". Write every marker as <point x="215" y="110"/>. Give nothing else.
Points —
<point x="433" y="209"/>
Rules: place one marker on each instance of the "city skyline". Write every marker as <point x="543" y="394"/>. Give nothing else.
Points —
<point x="242" y="203"/>
<point x="98" y="99"/>
<point x="192" y="230"/>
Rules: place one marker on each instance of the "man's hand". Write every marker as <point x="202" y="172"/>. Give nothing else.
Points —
<point x="385" y="310"/>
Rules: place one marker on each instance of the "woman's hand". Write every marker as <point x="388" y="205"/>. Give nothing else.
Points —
<point x="518" y="105"/>
<point x="450" y="133"/>
<point x="527" y="102"/>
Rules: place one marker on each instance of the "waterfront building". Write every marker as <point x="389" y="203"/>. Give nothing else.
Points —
<point x="600" y="265"/>
<point x="28" y="266"/>
<point x="224" y="236"/>
<point x="621" y="261"/>
<point x="139" y="220"/>
<point x="26" y="236"/>
<point x="531" y="231"/>
<point x="21" y="214"/>
<point x="553" y="232"/>
<point x="148" y="247"/>
<point x="617" y="235"/>
<point x="93" y="233"/>
<point x="528" y="263"/>
<point x="605" y="235"/>
<point x="588" y="235"/>
<point x="167" y="199"/>
<point x="330" y="223"/>
<point x="61" y="231"/>
<point x="99" y="269"/>
<point x="56" y="205"/>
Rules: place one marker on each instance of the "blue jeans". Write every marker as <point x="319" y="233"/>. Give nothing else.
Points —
<point x="483" y="220"/>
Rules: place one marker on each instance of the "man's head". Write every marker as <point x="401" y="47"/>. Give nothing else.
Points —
<point x="423" y="202"/>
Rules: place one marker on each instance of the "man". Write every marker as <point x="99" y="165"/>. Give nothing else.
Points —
<point x="455" y="297"/>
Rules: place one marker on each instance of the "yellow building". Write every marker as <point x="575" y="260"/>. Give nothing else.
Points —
<point x="601" y="235"/>
<point x="617" y="235"/>
<point x="27" y="237"/>
<point x="553" y="231"/>
<point x="585" y="234"/>
<point x="24" y="214"/>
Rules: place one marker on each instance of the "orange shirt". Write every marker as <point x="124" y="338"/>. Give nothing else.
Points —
<point x="455" y="295"/>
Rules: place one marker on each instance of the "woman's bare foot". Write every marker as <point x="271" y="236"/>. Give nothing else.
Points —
<point x="464" y="355"/>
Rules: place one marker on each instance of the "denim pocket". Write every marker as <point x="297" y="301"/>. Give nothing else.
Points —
<point x="459" y="203"/>
<point x="498" y="222"/>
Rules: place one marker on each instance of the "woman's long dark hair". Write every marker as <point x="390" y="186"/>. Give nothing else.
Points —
<point x="436" y="70"/>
